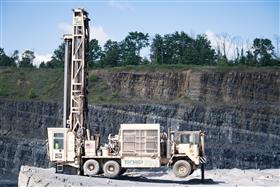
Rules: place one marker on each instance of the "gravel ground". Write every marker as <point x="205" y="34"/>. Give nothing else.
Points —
<point x="37" y="177"/>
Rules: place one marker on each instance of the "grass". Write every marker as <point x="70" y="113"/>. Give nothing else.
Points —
<point x="157" y="67"/>
<point x="31" y="84"/>
<point x="93" y="78"/>
<point x="47" y="85"/>
<point x="185" y="67"/>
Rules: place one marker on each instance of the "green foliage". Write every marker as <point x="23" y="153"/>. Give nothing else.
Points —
<point x="93" y="78"/>
<point x="3" y="90"/>
<point x="27" y="58"/>
<point x="43" y="65"/>
<point x="179" y="48"/>
<point x="263" y="51"/>
<point x="145" y="61"/>
<point x="114" y="97"/>
<point x="59" y="53"/>
<point x="175" y="48"/>
<point x="129" y="57"/>
<point x="57" y="60"/>
<point x="15" y="58"/>
<point x="131" y="46"/>
<point x="101" y="98"/>
<point x="111" y="56"/>
<point x="31" y="94"/>
<point x="94" y="53"/>
<point x="157" y="50"/>
<point x="31" y="83"/>
<point x="6" y="60"/>
<point x="203" y="52"/>
<point x="223" y="61"/>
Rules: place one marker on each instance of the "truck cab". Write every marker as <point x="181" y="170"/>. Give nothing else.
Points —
<point x="187" y="150"/>
<point x="188" y="143"/>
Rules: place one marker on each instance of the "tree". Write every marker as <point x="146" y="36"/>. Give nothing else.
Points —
<point x="250" y="59"/>
<point x="263" y="51"/>
<point x="42" y="65"/>
<point x="111" y="56"/>
<point x="59" y="53"/>
<point x="205" y="54"/>
<point x="94" y="52"/>
<point x="6" y="60"/>
<point x="129" y="57"/>
<point x="177" y="45"/>
<point x="138" y="40"/>
<point x="57" y="60"/>
<point x="170" y="48"/>
<point x="224" y="43"/>
<point x="179" y="48"/>
<point x="27" y="58"/>
<point x="242" y="59"/>
<point x="157" y="50"/>
<point x="131" y="47"/>
<point x="15" y="57"/>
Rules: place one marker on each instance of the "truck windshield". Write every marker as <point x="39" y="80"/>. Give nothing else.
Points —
<point x="58" y="140"/>
<point x="189" y="138"/>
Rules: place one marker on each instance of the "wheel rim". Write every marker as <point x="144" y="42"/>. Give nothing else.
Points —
<point x="111" y="168"/>
<point x="182" y="170"/>
<point x="91" y="167"/>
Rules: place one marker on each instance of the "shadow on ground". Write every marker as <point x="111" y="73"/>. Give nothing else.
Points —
<point x="144" y="179"/>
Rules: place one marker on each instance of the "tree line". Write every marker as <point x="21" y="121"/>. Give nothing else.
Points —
<point x="175" y="48"/>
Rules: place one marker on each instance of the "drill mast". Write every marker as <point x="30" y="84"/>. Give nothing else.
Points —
<point x="77" y="121"/>
<point x="79" y="72"/>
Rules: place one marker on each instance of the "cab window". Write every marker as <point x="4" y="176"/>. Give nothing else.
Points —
<point x="58" y="140"/>
<point x="189" y="138"/>
<point x="185" y="138"/>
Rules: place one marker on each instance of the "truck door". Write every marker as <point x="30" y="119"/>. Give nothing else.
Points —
<point x="189" y="145"/>
<point x="58" y="146"/>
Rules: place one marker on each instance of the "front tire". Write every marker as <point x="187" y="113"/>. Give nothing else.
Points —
<point x="111" y="169"/>
<point x="182" y="168"/>
<point x="91" y="167"/>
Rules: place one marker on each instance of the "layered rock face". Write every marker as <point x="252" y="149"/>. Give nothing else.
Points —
<point x="240" y="111"/>
<point x="23" y="133"/>
<point x="213" y="86"/>
<point x="242" y="137"/>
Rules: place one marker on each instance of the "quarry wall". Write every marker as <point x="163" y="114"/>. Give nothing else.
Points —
<point x="240" y="111"/>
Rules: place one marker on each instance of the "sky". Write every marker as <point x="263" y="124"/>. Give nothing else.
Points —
<point x="40" y="24"/>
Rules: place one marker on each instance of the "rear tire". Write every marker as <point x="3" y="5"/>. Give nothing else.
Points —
<point x="123" y="170"/>
<point x="111" y="169"/>
<point x="182" y="168"/>
<point x="91" y="167"/>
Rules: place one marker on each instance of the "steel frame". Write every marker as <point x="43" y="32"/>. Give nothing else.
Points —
<point x="79" y="79"/>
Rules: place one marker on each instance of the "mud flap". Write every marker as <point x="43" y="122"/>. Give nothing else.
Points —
<point x="202" y="173"/>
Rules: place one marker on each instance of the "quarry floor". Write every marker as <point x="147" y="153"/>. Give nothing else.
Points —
<point x="37" y="177"/>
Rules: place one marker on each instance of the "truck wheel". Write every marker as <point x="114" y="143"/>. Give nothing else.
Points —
<point x="182" y="168"/>
<point x="123" y="170"/>
<point x="91" y="167"/>
<point x="111" y="169"/>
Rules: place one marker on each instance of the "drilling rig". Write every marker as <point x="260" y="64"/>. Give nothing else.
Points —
<point x="135" y="146"/>
<point x="68" y="142"/>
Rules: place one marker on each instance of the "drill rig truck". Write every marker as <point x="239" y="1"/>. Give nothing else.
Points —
<point x="135" y="146"/>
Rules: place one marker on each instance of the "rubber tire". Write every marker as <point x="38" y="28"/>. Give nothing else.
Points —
<point x="182" y="168"/>
<point x="115" y="168"/>
<point x="91" y="171"/>
<point x="123" y="170"/>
